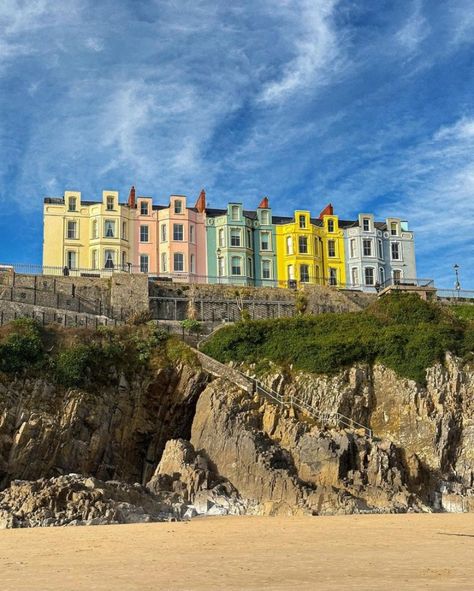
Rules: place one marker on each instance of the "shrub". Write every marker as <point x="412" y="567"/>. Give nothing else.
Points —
<point x="73" y="365"/>
<point x="21" y="347"/>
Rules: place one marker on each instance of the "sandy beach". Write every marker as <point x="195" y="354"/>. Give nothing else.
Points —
<point x="231" y="553"/>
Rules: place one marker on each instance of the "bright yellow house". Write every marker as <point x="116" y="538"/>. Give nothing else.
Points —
<point x="310" y="250"/>
<point x="87" y="235"/>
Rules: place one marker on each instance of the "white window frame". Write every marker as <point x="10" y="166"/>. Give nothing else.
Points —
<point x="71" y="230"/>
<point x="399" y="251"/>
<point x="177" y="232"/>
<point x="265" y="218"/>
<point x="238" y="266"/>
<point x="163" y="233"/>
<point x="332" y="252"/>
<point x="109" y="225"/>
<point x="332" y="276"/>
<point x="235" y="233"/>
<point x="353" y="248"/>
<point x="269" y="263"/>
<point x="289" y="245"/>
<point x="331" y="226"/>
<point x="72" y="203"/>
<point x="175" y="260"/>
<point x="144" y="208"/>
<point x="192" y="263"/>
<point x="235" y="213"/>
<point x="307" y="275"/>
<point x="72" y="254"/>
<point x="368" y="241"/>
<point x="221" y="237"/>
<point x="144" y="233"/>
<point x="109" y="262"/>
<point x="302" y="222"/>
<point x="110" y="203"/>
<point x="144" y="263"/>
<point x="355" y="276"/>
<point x="364" y="222"/>
<point x="191" y="233"/>
<point x="163" y="262"/>
<point x="268" y="241"/>
<point x="178" y="206"/>
<point x="303" y="240"/>
<point x="380" y="249"/>
<point x="365" y="276"/>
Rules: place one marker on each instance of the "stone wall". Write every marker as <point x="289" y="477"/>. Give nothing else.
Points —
<point x="12" y="310"/>
<point x="224" y="371"/>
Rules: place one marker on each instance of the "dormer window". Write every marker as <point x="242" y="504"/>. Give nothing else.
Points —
<point x="72" y="204"/>
<point x="330" y="225"/>
<point x="302" y="221"/>
<point x="110" y="203"/>
<point x="235" y="213"/>
<point x="265" y="218"/>
<point x="366" y="224"/>
<point x="178" y="206"/>
<point x="394" y="228"/>
<point x="143" y="208"/>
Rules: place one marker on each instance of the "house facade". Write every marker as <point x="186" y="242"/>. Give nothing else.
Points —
<point x="231" y="246"/>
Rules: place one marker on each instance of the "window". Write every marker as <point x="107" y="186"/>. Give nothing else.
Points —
<point x="366" y="224"/>
<point x="178" y="206"/>
<point x="143" y="208"/>
<point x="109" y="229"/>
<point x="367" y="248"/>
<point x="291" y="272"/>
<point x="331" y="248"/>
<point x="369" y="276"/>
<point x="72" y="229"/>
<point x="380" y="247"/>
<point x="71" y="259"/>
<point x="302" y="221"/>
<point x="330" y="225"/>
<point x="315" y="247"/>
<point x="317" y="275"/>
<point x="332" y="276"/>
<point x="163" y="233"/>
<point x="143" y="233"/>
<point x="303" y="244"/>
<point x="178" y="233"/>
<point x="110" y="203"/>
<point x="266" y="270"/>
<point x="72" y="204"/>
<point x="191" y="233"/>
<point x="249" y="239"/>
<point x="235" y="213"/>
<point x="124" y="230"/>
<point x="221" y="237"/>
<point x="178" y="259"/>
<point x="355" y="276"/>
<point x="289" y="245"/>
<point x="265" y="241"/>
<point x="394" y="228"/>
<point x="95" y="260"/>
<point x="353" y="247"/>
<point x="382" y="275"/>
<point x="397" y="276"/>
<point x="143" y="263"/>
<point x="265" y="218"/>
<point x="235" y="238"/>
<point x="236" y="266"/>
<point x="124" y="260"/>
<point x="192" y="264"/>
<point x="95" y="229"/>
<point x="304" y="273"/>
<point x="220" y="266"/>
<point x="250" y="267"/>
<point x="109" y="259"/>
<point x="396" y="251"/>
<point x="164" y="266"/>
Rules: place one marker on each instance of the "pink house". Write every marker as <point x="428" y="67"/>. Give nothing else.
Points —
<point x="145" y="234"/>
<point x="182" y="238"/>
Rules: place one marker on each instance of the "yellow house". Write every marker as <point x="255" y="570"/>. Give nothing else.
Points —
<point x="87" y="235"/>
<point x="299" y="249"/>
<point x="310" y="250"/>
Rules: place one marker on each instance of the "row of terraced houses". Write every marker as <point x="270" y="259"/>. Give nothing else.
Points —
<point x="233" y="245"/>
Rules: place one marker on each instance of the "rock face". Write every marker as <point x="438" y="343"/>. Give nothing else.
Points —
<point x="115" y="433"/>
<point x="290" y="466"/>
<point x="200" y="448"/>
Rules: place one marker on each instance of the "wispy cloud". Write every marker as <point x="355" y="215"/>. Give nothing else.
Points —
<point x="316" y="47"/>
<point x="415" y="29"/>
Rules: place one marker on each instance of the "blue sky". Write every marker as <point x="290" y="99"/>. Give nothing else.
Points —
<point x="365" y="104"/>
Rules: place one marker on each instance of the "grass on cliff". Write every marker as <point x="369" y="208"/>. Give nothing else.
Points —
<point x="82" y="357"/>
<point x="401" y="331"/>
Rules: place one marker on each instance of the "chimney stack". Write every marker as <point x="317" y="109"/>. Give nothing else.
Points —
<point x="201" y="202"/>
<point x="328" y="210"/>
<point x="264" y="203"/>
<point x="131" y="197"/>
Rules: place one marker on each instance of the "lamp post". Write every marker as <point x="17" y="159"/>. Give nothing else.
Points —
<point x="218" y="252"/>
<point x="457" y="285"/>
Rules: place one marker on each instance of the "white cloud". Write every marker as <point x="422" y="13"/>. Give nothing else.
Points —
<point x="415" y="29"/>
<point x="316" y="47"/>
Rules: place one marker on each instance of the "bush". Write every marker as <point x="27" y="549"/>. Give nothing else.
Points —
<point x="22" y="347"/>
<point x="73" y="365"/>
<point x="402" y="331"/>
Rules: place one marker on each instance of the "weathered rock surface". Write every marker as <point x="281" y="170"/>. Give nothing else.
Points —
<point x="290" y="466"/>
<point x="117" y="432"/>
<point x="76" y="500"/>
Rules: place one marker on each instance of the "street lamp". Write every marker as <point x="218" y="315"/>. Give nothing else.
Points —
<point x="218" y="252"/>
<point x="457" y="285"/>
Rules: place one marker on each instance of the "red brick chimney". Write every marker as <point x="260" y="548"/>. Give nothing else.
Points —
<point x="328" y="210"/>
<point x="264" y="203"/>
<point x="201" y="202"/>
<point x="131" y="197"/>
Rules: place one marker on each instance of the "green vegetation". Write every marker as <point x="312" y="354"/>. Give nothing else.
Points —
<point x="401" y="331"/>
<point x="82" y="357"/>
<point x="463" y="311"/>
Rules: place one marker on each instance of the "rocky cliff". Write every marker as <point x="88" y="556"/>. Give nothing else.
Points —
<point x="181" y="444"/>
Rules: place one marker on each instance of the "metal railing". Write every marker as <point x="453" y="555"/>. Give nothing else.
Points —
<point x="178" y="277"/>
<point x="455" y="295"/>
<point x="406" y="282"/>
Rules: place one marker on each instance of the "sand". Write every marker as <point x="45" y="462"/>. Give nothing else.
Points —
<point x="230" y="553"/>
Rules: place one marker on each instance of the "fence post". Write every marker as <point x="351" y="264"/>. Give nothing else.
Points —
<point x="1" y="319"/>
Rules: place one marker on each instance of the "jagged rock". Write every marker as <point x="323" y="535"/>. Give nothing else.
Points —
<point x="74" y="500"/>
